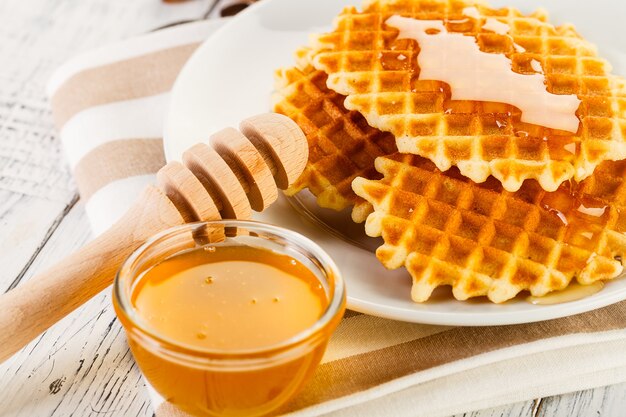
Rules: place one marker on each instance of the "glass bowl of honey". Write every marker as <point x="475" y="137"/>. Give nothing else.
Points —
<point x="230" y="317"/>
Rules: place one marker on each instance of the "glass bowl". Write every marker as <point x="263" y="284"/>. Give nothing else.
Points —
<point x="211" y="382"/>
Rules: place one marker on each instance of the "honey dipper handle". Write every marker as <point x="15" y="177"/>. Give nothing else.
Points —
<point x="240" y="171"/>
<point x="34" y="306"/>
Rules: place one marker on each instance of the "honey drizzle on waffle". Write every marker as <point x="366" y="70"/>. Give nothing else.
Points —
<point x="378" y="73"/>
<point x="483" y="240"/>
<point x="472" y="74"/>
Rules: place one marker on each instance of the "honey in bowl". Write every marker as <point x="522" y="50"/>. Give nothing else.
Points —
<point x="232" y="297"/>
<point x="233" y="326"/>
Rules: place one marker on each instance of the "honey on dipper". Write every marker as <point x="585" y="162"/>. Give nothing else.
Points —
<point x="228" y="318"/>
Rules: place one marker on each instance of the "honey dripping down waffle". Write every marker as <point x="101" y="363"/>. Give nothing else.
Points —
<point x="373" y="57"/>
<point x="482" y="240"/>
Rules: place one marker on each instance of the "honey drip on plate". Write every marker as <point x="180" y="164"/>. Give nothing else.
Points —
<point x="573" y="292"/>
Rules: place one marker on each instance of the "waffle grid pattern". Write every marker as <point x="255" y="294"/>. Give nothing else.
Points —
<point x="379" y="75"/>
<point x="483" y="240"/>
<point x="342" y="145"/>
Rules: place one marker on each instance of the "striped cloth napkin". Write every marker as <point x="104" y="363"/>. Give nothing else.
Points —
<point x="109" y="107"/>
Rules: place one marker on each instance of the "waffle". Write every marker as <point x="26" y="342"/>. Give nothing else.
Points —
<point x="379" y="75"/>
<point x="483" y="240"/>
<point x="342" y="145"/>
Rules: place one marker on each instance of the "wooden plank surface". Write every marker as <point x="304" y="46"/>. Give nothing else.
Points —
<point x="82" y="366"/>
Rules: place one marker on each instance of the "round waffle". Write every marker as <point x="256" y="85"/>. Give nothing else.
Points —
<point x="482" y="240"/>
<point x="379" y="74"/>
<point x="342" y="145"/>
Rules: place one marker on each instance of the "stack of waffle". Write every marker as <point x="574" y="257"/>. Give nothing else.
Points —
<point x="464" y="193"/>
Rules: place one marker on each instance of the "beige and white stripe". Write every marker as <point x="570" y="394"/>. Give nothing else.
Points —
<point x="109" y="107"/>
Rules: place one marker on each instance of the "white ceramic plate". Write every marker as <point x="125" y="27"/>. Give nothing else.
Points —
<point x="230" y="77"/>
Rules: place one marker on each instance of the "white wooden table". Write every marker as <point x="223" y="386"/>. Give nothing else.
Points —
<point x="82" y="366"/>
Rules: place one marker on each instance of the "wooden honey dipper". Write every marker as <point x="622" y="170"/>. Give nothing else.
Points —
<point x="237" y="172"/>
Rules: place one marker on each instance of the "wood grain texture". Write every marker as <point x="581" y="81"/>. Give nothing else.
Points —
<point x="82" y="366"/>
<point x="526" y="409"/>
<point x="27" y="223"/>
<point x="35" y="305"/>
<point x="603" y="401"/>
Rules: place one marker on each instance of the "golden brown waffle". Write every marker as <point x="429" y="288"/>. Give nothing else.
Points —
<point x="379" y="75"/>
<point x="342" y="145"/>
<point x="482" y="240"/>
